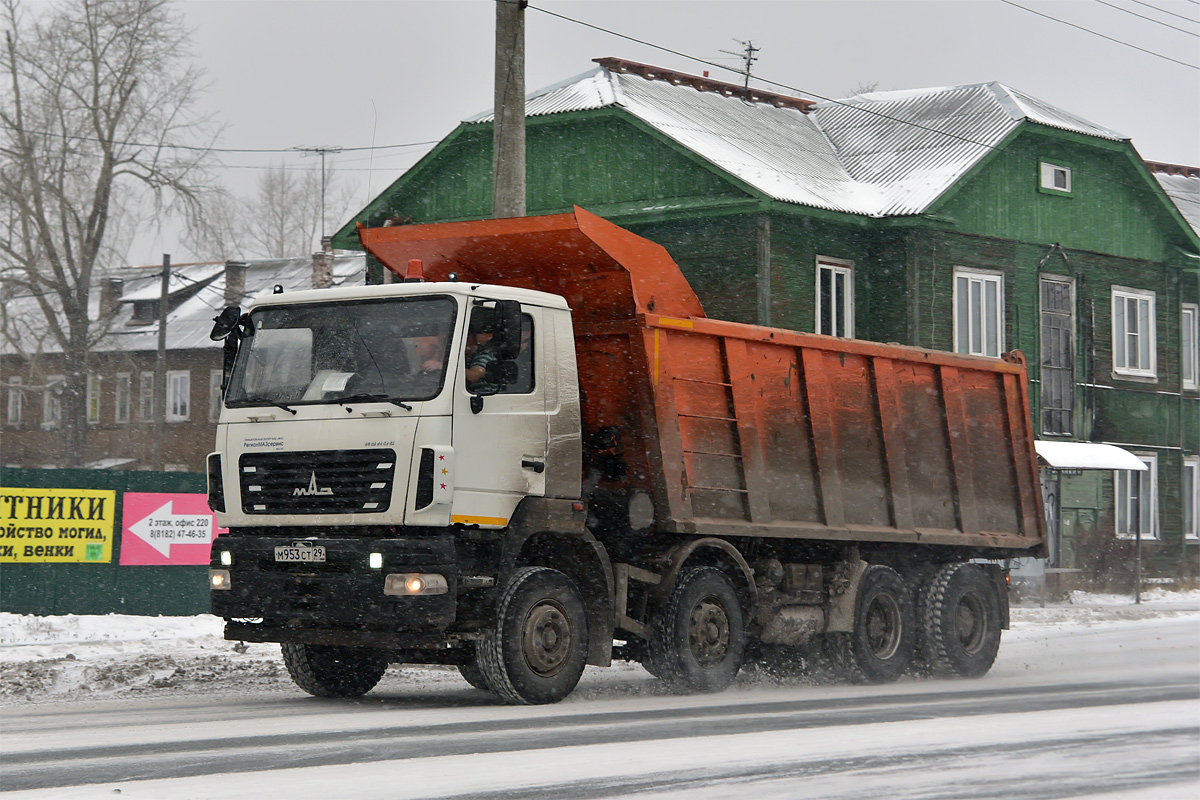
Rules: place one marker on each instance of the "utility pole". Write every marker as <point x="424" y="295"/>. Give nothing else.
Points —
<point x="321" y="151"/>
<point x="160" y="368"/>
<point x="508" y="126"/>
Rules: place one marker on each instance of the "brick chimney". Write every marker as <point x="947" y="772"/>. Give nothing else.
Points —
<point x="322" y="274"/>
<point x="111" y="290"/>
<point x="235" y="282"/>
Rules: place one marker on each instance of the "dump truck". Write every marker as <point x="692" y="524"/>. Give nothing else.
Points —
<point x="532" y="451"/>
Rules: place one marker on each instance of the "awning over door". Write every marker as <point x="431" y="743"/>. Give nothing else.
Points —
<point x="1086" y="455"/>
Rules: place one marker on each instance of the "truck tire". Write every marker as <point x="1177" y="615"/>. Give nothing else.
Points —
<point x="537" y="649"/>
<point x="881" y="645"/>
<point x="960" y="622"/>
<point x="473" y="675"/>
<point x="327" y="671"/>
<point x="698" y="638"/>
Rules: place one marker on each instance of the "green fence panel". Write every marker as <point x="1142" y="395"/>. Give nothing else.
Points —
<point x="107" y="588"/>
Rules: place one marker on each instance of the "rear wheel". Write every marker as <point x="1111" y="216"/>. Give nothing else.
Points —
<point x="327" y="671"/>
<point x="881" y="645"/>
<point x="960" y="621"/>
<point x="536" y="651"/>
<point x="698" y="638"/>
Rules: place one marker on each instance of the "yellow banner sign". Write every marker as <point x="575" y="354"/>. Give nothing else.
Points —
<point x="56" y="525"/>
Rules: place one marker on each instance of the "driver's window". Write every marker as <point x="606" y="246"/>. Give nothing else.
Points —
<point x="483" y="350"/>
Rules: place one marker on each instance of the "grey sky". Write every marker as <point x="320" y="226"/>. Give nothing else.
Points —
<point x="353" y="74"/>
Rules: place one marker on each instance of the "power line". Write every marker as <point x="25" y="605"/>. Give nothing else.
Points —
<point x="1101" y="35"/>
<point x="1169" y="13"/>
<point x="800" y="91"/>
<point x="199" y="149"/>
<point x="1148" y="19"/>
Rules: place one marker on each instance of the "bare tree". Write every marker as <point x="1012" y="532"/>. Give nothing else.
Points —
<point x="96" y="115"/>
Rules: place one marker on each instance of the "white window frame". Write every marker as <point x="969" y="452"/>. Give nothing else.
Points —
<point x="842" y="308"/>
<point x="1147" y="484"/>
<point x="214" y="393"/>
<point x="1191" y="505"/>
<point x="179" y="395"/>
<point x="16" y="397"/>
<point x="1189" y="345"/>
<point x="1123" y="336"/>
<point x="981" y="279"/>
<point x="1047" y="171"/>
<point x="122" y="397"/>
<point x="93" y="398"/>
<point x="145" y="406"/>
<point x="52" y="402"/>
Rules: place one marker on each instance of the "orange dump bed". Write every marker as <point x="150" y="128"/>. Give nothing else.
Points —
<point x="744" y="430"/>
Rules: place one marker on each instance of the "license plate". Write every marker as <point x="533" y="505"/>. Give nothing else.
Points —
<point x="300" y="551"/>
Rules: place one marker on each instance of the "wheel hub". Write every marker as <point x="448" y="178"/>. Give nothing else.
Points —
<point x="546" y="642"/>
<point x="969" y="623"/>
<point x="883" y="626"/>
<point x="708" y="632"/>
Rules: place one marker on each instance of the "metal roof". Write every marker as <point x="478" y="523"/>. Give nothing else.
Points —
<point x="1183" y="187"/>
<point x="198" y="295"/>
<point x="878" y="154"/>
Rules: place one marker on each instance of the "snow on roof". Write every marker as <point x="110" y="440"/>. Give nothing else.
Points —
<point x="1182" y="185"/>
<point x="877" y="154"/>
<point x="1086" y="455"/>
<point x="197" y="295"/>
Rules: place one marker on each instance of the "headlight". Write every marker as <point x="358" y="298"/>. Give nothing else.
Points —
<point x="218" y="579"/>
<point x="375" y="560"/>
<point x="226" y="558"/>
<point x="413" y="583"/>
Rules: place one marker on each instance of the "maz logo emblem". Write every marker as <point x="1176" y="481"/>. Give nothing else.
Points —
<point x="312" y="488"/>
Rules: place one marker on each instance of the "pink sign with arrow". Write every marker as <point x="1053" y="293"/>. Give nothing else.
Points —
<point x="167" y="529"/>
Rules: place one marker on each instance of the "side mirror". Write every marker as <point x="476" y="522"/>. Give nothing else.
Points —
<point x="225" y="322"/>
<point x="507" y="329"/>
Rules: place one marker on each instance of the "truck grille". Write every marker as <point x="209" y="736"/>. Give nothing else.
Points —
<point x="317" y="482"/>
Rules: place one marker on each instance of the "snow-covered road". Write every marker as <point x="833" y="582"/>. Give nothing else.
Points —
<point x="1095" y="699"/>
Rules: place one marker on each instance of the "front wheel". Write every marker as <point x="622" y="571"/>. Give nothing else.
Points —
<point x="537" y="649"/>
<point x="960" y="621"/>
<point x="327" y="671"/>
<point x="698" y="638"/>
<point x="881" y="645"/>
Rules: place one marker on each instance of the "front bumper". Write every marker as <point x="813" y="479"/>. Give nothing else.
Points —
<point x="342" y="594"/>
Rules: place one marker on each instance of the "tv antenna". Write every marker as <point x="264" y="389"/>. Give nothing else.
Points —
<point x="748" y="58"/>
<point x="321" y="151"/>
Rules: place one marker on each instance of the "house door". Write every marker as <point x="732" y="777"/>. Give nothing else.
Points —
<point x="1057" y="355"/>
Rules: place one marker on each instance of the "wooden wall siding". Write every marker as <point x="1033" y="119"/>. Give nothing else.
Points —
<point x="593" y="162"/>
<point x="1111" y="208"/>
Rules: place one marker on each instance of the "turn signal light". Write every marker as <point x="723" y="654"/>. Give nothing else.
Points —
<point x="414" y="583"/>
<point x="218" y="579"/>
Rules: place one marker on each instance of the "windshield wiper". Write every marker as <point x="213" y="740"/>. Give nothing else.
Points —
<point x="374" y="398"/>
<point x="275" y="403"/>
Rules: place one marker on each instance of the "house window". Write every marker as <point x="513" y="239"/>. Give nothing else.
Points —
<point x="978" y="312"/>
<point x="835" y="297"/>
<point x="1057" y="356"/>
<point x="1133" y="332"/>
<point x="1191" y="497"/>
<point x="1055" y="179"/>
<point x="122" y="394"/>
<point x="214" y="394"/>
<point x="1189" y="346"/>
<point x="93" y="398"/>
<point x="146" y="397"/>
<point x="52" y="401"/>
<point x="15" y="396"/>
<point x="179" y="395"/>
<point x="1136" y="499"/>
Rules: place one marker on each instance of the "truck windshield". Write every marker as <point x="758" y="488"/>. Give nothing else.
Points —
<point x="393" y="349"/>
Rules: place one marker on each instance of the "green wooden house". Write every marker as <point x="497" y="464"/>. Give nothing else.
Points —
<point x="970" y="218"/>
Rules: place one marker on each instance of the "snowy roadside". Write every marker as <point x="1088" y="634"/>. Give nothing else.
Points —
<point x="72" y="658"/>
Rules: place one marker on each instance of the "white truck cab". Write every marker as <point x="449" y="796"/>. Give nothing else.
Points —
<point x="353" y="407"/>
